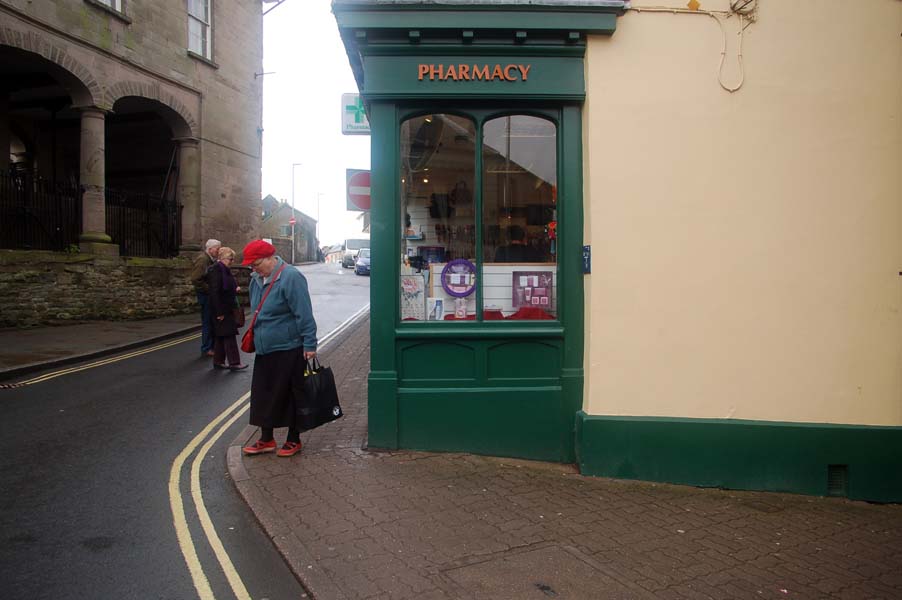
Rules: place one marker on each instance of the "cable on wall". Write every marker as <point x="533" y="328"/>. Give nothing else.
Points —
<point x="745" y="10"/>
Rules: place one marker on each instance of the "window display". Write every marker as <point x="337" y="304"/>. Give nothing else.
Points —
<point x="515" y="198"/>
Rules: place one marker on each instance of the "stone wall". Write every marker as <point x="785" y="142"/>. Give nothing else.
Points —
<point x="47" y="288"/>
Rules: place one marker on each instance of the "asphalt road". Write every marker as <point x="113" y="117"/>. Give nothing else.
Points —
<point x="85" y="463"/>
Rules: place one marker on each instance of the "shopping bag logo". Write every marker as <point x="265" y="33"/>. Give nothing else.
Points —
<point x="319" y="403"/>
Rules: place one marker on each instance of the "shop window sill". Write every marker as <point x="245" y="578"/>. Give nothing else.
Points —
<point x="112" y="11"/>
<point x="202" y="59"/>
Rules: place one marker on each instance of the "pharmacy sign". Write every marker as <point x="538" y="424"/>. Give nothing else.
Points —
<point x="353" y="115"/>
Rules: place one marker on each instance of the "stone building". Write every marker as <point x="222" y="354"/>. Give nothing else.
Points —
<point x="133" y="129"/>
<point x="276" y="225"/>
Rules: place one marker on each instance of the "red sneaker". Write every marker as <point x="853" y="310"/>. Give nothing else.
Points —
<point x="259" y="447"/>
<point x="289" y="449"/>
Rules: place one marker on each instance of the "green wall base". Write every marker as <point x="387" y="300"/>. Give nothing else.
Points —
<point x="866" y="461"/>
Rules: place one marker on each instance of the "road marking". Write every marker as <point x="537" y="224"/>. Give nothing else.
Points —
<point x="342" y="326"/>
<point x="180" y="522"/>
<point x="222" y="556"/>
<point x="186" y="544"/>
<point x="121" y="357"/>
<point x="100" y="363"/>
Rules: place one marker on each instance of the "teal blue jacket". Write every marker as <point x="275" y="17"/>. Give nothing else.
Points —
<point x="286" y="320"/>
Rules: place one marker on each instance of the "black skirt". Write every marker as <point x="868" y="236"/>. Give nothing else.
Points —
<point x="277" y="388"/>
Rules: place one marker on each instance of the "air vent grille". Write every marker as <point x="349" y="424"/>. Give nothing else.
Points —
<point x="838" y="480"/>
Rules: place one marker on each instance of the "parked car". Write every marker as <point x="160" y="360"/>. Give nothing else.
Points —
<point x="362" y="266"/>
<point x="350" y="248"/>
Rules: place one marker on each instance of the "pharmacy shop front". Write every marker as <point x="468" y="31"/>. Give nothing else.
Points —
<point x="476" y="223"/>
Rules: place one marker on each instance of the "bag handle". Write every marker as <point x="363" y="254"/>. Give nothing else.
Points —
<point x="313" y="365"/>
<point x="265" y="294"/>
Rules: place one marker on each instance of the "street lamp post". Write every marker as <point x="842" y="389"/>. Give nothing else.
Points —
<point x="318" y="195"/>
<point x="292" y="222"/>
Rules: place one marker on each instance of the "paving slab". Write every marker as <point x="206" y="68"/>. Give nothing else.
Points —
<point x="355" y="523"/>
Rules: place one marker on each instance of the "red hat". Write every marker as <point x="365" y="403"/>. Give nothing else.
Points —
<point x="256" y="250"/>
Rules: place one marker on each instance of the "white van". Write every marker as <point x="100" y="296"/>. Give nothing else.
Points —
<point x="351" y="247"/>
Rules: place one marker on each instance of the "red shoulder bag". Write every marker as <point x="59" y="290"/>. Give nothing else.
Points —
<point x="247" y="340"/>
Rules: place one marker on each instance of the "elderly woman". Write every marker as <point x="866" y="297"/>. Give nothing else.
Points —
<point x="223" y="300"/>
<point x="284" y="338"/>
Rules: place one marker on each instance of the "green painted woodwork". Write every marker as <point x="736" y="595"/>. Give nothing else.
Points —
<point x="498" y="421"/>
<point x="440" y="362"/>
<point x="504" y="388"/>
<point x="382" y="408"/>
<point x="383" y="378"/>
<point x="739" y="454"/>
<point x="369" y="29"/>
<point x="547" y="77"/>
<point x="505" y="361"/>
<point x="529" y="19"/>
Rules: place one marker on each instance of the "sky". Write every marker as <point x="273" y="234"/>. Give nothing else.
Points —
<point x="308" y="71"/>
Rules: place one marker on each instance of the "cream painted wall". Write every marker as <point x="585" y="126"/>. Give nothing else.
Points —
<point x="747" y="247"/>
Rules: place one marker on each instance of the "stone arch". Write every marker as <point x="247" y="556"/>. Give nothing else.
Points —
<point x="178" y="116"/>
<point x="84" y="89"/>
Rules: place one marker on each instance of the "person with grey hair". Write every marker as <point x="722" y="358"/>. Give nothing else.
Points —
<point x="202" y="264"/>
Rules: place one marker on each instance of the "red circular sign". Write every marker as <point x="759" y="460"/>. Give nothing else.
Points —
<point x="291" y="221"/>
<point x="359" y="190"/>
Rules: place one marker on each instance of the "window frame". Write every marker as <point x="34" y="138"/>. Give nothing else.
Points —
<point x="481" y="114"/>
<point x="207" y="26"/>
<point x="114" y="7"/>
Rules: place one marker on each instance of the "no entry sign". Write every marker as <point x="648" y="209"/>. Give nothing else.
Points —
<point x="358" y="189"/>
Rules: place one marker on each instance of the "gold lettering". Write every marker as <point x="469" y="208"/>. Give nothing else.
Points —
<point x="461" y="72"/>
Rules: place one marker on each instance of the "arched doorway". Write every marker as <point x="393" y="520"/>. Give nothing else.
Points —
<point x="40" y="206"/>
<point x="143" y="208"/>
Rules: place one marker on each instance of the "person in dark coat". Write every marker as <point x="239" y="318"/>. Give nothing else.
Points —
<point x="223" y="301"/>
<point x="518" y="251"/>
<point x="199" y="270"/>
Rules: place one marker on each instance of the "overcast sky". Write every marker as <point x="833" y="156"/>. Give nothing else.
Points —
<point x="302" y="115"/>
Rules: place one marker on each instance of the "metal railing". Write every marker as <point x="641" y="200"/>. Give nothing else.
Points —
<point x="38" y="214"/>
<point x="143" y="224"/>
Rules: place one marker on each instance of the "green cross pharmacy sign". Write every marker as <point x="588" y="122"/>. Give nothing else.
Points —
<point x="353" y="116"/>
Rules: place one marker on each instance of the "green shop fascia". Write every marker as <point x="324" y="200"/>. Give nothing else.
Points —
<point x="476" y="221"/>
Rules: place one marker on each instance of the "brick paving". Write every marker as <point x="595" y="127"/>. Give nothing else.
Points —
<point x="394" y="525"/>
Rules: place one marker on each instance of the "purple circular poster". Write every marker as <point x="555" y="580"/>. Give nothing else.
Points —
<point x="459" y="278"/>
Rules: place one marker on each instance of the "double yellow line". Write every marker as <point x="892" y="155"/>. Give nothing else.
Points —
<point x="106" y="361"/>
<point x="180" y="522"/>
<point x="189" y="551"/>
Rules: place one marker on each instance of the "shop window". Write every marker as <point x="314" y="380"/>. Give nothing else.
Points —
<point x="518" y="237"/>
<point x="519" y="217"/>
<point x="438" y="218"/>
<point x="199" y="26"/>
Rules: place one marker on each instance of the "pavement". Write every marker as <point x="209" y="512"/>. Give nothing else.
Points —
<point x="355" y="523"/>
<point x="24" y="351"/>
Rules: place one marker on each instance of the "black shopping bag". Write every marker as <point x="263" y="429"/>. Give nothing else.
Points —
<point x="320" y="405"/>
